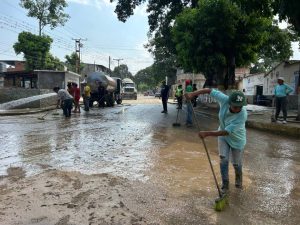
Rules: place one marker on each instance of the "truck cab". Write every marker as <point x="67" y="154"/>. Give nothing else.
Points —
<point x="129" y="89"/>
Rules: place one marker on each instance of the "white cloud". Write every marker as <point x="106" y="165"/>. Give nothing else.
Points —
<point x="100" y="4"/>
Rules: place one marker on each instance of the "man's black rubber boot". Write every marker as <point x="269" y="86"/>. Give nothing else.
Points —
<point x="238" y="177"/>
<point x="225" y="186"/>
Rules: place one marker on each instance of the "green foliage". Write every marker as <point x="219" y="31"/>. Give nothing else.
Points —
<point x="53" y="63"/>
<point x="276" y="48"/>
<point x="71" y="62"/>
<point x="48" y="12"/>
<point x="35" y="49"/>
<point x="145" y="77"/>
<point x="160" y="19"/>
<point x="288" y="10"/>
<point x="216" y="37"/>
<point x="122" y="72"/>
<point x="232" y="33"/>
<point x="141" y="87"/>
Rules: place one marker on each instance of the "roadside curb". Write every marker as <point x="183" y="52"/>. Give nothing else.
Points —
<point x="281" y="129"/>
<point x="15" y="112"/>
<point x="286" y="130"/>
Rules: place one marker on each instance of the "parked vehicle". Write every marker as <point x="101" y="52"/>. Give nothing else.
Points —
<point x="148" y="93"/>
<point x="112" y="86"/>
<point x="129" y="90"/>
<point x="157" y="94"/>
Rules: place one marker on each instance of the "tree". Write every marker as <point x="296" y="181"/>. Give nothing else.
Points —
<point x="214" y="44"/>
<point x="122" y="72"/>
<point x="35" y="49"/>
<point x="53" y="63"/>
<point x="71" y="62"/>
<point x="48" y="12"/>
<point x="276" y="49"/>
<point x="160" y="19"/>
<point x="288" y="10"/>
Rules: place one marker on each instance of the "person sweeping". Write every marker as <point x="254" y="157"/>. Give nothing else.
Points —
<point x="231" y="133"/>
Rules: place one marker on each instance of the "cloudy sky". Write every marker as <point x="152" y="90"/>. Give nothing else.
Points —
<point x="93" y="20"/>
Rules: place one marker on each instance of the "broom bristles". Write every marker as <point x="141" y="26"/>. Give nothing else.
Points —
<point x="220" y="203"/>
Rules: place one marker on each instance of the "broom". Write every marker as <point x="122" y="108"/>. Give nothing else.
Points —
<point x="43" y="117"/>
<point x="220" y="202"/>
<point x="176" y="124"/>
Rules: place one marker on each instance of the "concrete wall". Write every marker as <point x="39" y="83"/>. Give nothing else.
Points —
<point x="46" y="81"/>
<point x="50" y="79"/>
<point x="72" y="77"/>
<point x="251" y="82"/>
<point x="10" y="94"/>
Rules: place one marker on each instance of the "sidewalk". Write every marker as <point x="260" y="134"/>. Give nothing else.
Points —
<point x="259" y="117"/>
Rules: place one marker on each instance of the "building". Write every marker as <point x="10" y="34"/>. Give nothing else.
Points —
<point x="197" y="79"/>
<point x="21" y="84"/>
<point x="11" y="65"/>
<point x="240" y="73"/>
<point x="252" y="86"/>
<point x="89" y="68"/>
<point x="287" y="69"/>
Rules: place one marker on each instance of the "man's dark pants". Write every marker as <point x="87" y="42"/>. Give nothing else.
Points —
<point x="67" y="107"/>
<point x="281" y="104"/>
<point x="86" y="102"/>
<point x="165" y="102"/>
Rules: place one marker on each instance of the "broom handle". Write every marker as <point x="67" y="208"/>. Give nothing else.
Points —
<point x="206" y="150"/>
<point x="177" y="115"/>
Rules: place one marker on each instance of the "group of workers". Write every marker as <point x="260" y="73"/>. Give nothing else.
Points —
<point x="66" y="98"/>
<point x="231" y="133"/>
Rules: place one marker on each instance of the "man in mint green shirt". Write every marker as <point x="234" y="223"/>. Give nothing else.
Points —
<point x="281" y="90"/>
<point x="231" y="133"/>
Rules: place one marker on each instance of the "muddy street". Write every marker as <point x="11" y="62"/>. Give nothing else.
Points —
<point x="129" y="165"/>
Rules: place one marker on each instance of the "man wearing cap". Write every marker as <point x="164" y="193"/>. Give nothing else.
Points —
<point x="281" y="90"/>
<point x="231" y="133"/>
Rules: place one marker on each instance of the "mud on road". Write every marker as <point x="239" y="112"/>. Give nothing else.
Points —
<point x="127" y="165"/>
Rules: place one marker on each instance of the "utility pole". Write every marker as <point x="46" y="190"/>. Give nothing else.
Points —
<point x="78" y="45"/>
<point x="109" y="63"/>
<point x="118" y="61"/>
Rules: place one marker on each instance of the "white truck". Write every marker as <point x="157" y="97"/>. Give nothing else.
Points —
<point x="129" y="89"/>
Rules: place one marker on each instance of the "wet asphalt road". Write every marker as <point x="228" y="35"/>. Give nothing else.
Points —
<point x="138" y="142"/>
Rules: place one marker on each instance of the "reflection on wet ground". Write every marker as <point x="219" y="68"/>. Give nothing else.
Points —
<point x="138" y="142"/>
